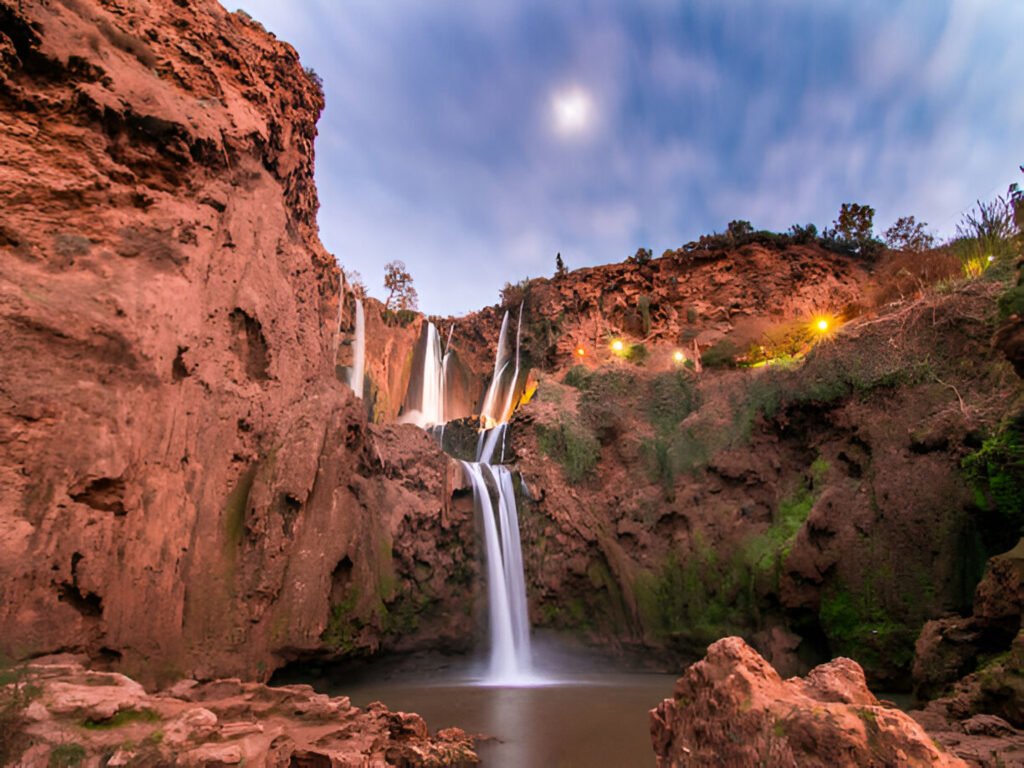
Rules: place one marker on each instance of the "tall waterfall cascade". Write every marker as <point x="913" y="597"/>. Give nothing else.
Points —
<point x="509" y="622"/>
<point x="510" y="661"/>
<point x="358" y="372"/>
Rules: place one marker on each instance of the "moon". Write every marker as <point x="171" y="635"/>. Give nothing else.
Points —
<point x="572" y="110"/>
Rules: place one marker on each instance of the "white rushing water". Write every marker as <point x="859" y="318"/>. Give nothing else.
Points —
<point x="499" y="402"/>
<point x="509" y="622"/>
<point x="493" y="492"/>
<point x="428" y="408"/>
<point x="511" y="660"/>
<point x="358" y="372"/>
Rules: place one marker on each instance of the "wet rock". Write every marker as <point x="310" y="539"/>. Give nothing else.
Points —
<point x="948" y="649"/>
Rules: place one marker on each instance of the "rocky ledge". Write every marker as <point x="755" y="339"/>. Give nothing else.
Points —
<point x="734" y="709"/>
<point x="59" y="713"/>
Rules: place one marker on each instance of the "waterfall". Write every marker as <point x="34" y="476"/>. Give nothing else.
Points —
<point x="500" y="398"/>
<point x="509" y="621"/>
<point x="493" y="492"/>
<point x="425" y="406"/>
<point x="357" y="373"/>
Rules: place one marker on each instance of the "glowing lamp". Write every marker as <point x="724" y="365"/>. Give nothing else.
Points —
<point x="678" y="356"/>
<point x="617" y="345"/>
<point x="822" y="325"/>
<point x="580" y="351"/>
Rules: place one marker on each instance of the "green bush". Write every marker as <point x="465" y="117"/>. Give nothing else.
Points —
<point x="996" y="472"/>
<point x="578" y="376"/>
<point x="986" y="239"/>
<point x="572" y="446"/>
<point x="343" y="627"/>
<point x="66" y="756"/>
<point x="1011" y="302"/>
<point x="671" y="397"/>
<point x="643" y="303"/>
<point x="721" y="355"/>
<point x="637" y="353"/>
<point x="858" y="627"/>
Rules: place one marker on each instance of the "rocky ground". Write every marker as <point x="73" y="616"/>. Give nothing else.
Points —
<point x="68" y="715"/>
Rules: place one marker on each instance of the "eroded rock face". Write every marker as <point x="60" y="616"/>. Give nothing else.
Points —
<point x="185" y="487"/>
<point x="825" y="498"/>
<point x="950" y="648"/>
<point x="225" y="722"/>
<point x="733" y="709"/>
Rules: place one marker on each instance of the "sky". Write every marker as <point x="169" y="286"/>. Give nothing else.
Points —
<point x="475" y="139"/>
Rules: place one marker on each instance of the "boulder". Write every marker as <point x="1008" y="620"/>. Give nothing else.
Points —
<point x="732" y="708"/>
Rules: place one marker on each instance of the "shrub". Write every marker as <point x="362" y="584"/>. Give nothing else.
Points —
<point x="996" y="471"/>
<point x="1011" y="302"/>
<point x="801" y="235"/>
<point x="66" y="756"/>
<point x="985" y="236"/>
<point x="643" y="303"/>
<point x="514" y="294"/>
<point x="907" y="234"/>
<point x="641" y="257"/>
<point x="572" y="446"/>
<point x="637" y="353"/>
<point x="739" y="230"/>
<point x="317" y="80"/>
<point x="851" y="232"/>
<point x="671" y="397"/>
<point x="578" y="376"/>
<point x="721" y="355"/>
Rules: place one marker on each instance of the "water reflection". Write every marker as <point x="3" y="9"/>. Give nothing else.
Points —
<point x="597" y="720"/>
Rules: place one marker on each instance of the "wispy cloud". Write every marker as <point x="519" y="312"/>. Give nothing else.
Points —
<point x="437" y="144"/>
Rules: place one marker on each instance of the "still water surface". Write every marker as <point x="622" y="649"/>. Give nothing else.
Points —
<point x="591" y="721"/>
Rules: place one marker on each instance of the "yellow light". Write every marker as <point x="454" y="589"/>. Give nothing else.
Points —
<point x="617" y="345"/>
<point x="822" y="325"/>
<point x="581" y="351"/>
<point x="678" y="356"/>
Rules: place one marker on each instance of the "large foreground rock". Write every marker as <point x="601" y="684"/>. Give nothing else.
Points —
<point x="734" y="709"/>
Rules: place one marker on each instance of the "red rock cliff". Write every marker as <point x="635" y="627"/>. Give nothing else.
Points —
<point x="184" y="485"/>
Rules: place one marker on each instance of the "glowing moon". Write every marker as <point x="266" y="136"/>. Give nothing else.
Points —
<point x="572" y="110"/>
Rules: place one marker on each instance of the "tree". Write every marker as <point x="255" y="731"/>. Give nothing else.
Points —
<point x="1016" y="194"/>
<point x="642" y="256"/>
<point x="355" y="282"/>
<point x="803" y="234"/>
<point x="398" y="281"/>
<point x="560" y="270"/>
<point x="907" y="234"/>
<point x="739" y="229"/>
<point x="853" y="229"/>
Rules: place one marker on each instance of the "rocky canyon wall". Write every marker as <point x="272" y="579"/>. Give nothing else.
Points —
<point x="186" y="487"/>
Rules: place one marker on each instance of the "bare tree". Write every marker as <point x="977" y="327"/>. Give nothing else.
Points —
<point x="398" y="281"/>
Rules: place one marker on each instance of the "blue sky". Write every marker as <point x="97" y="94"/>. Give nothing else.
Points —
<point x="441" y="143"/>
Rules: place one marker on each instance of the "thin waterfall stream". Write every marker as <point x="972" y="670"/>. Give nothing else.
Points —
<point x="358" y="372"/>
